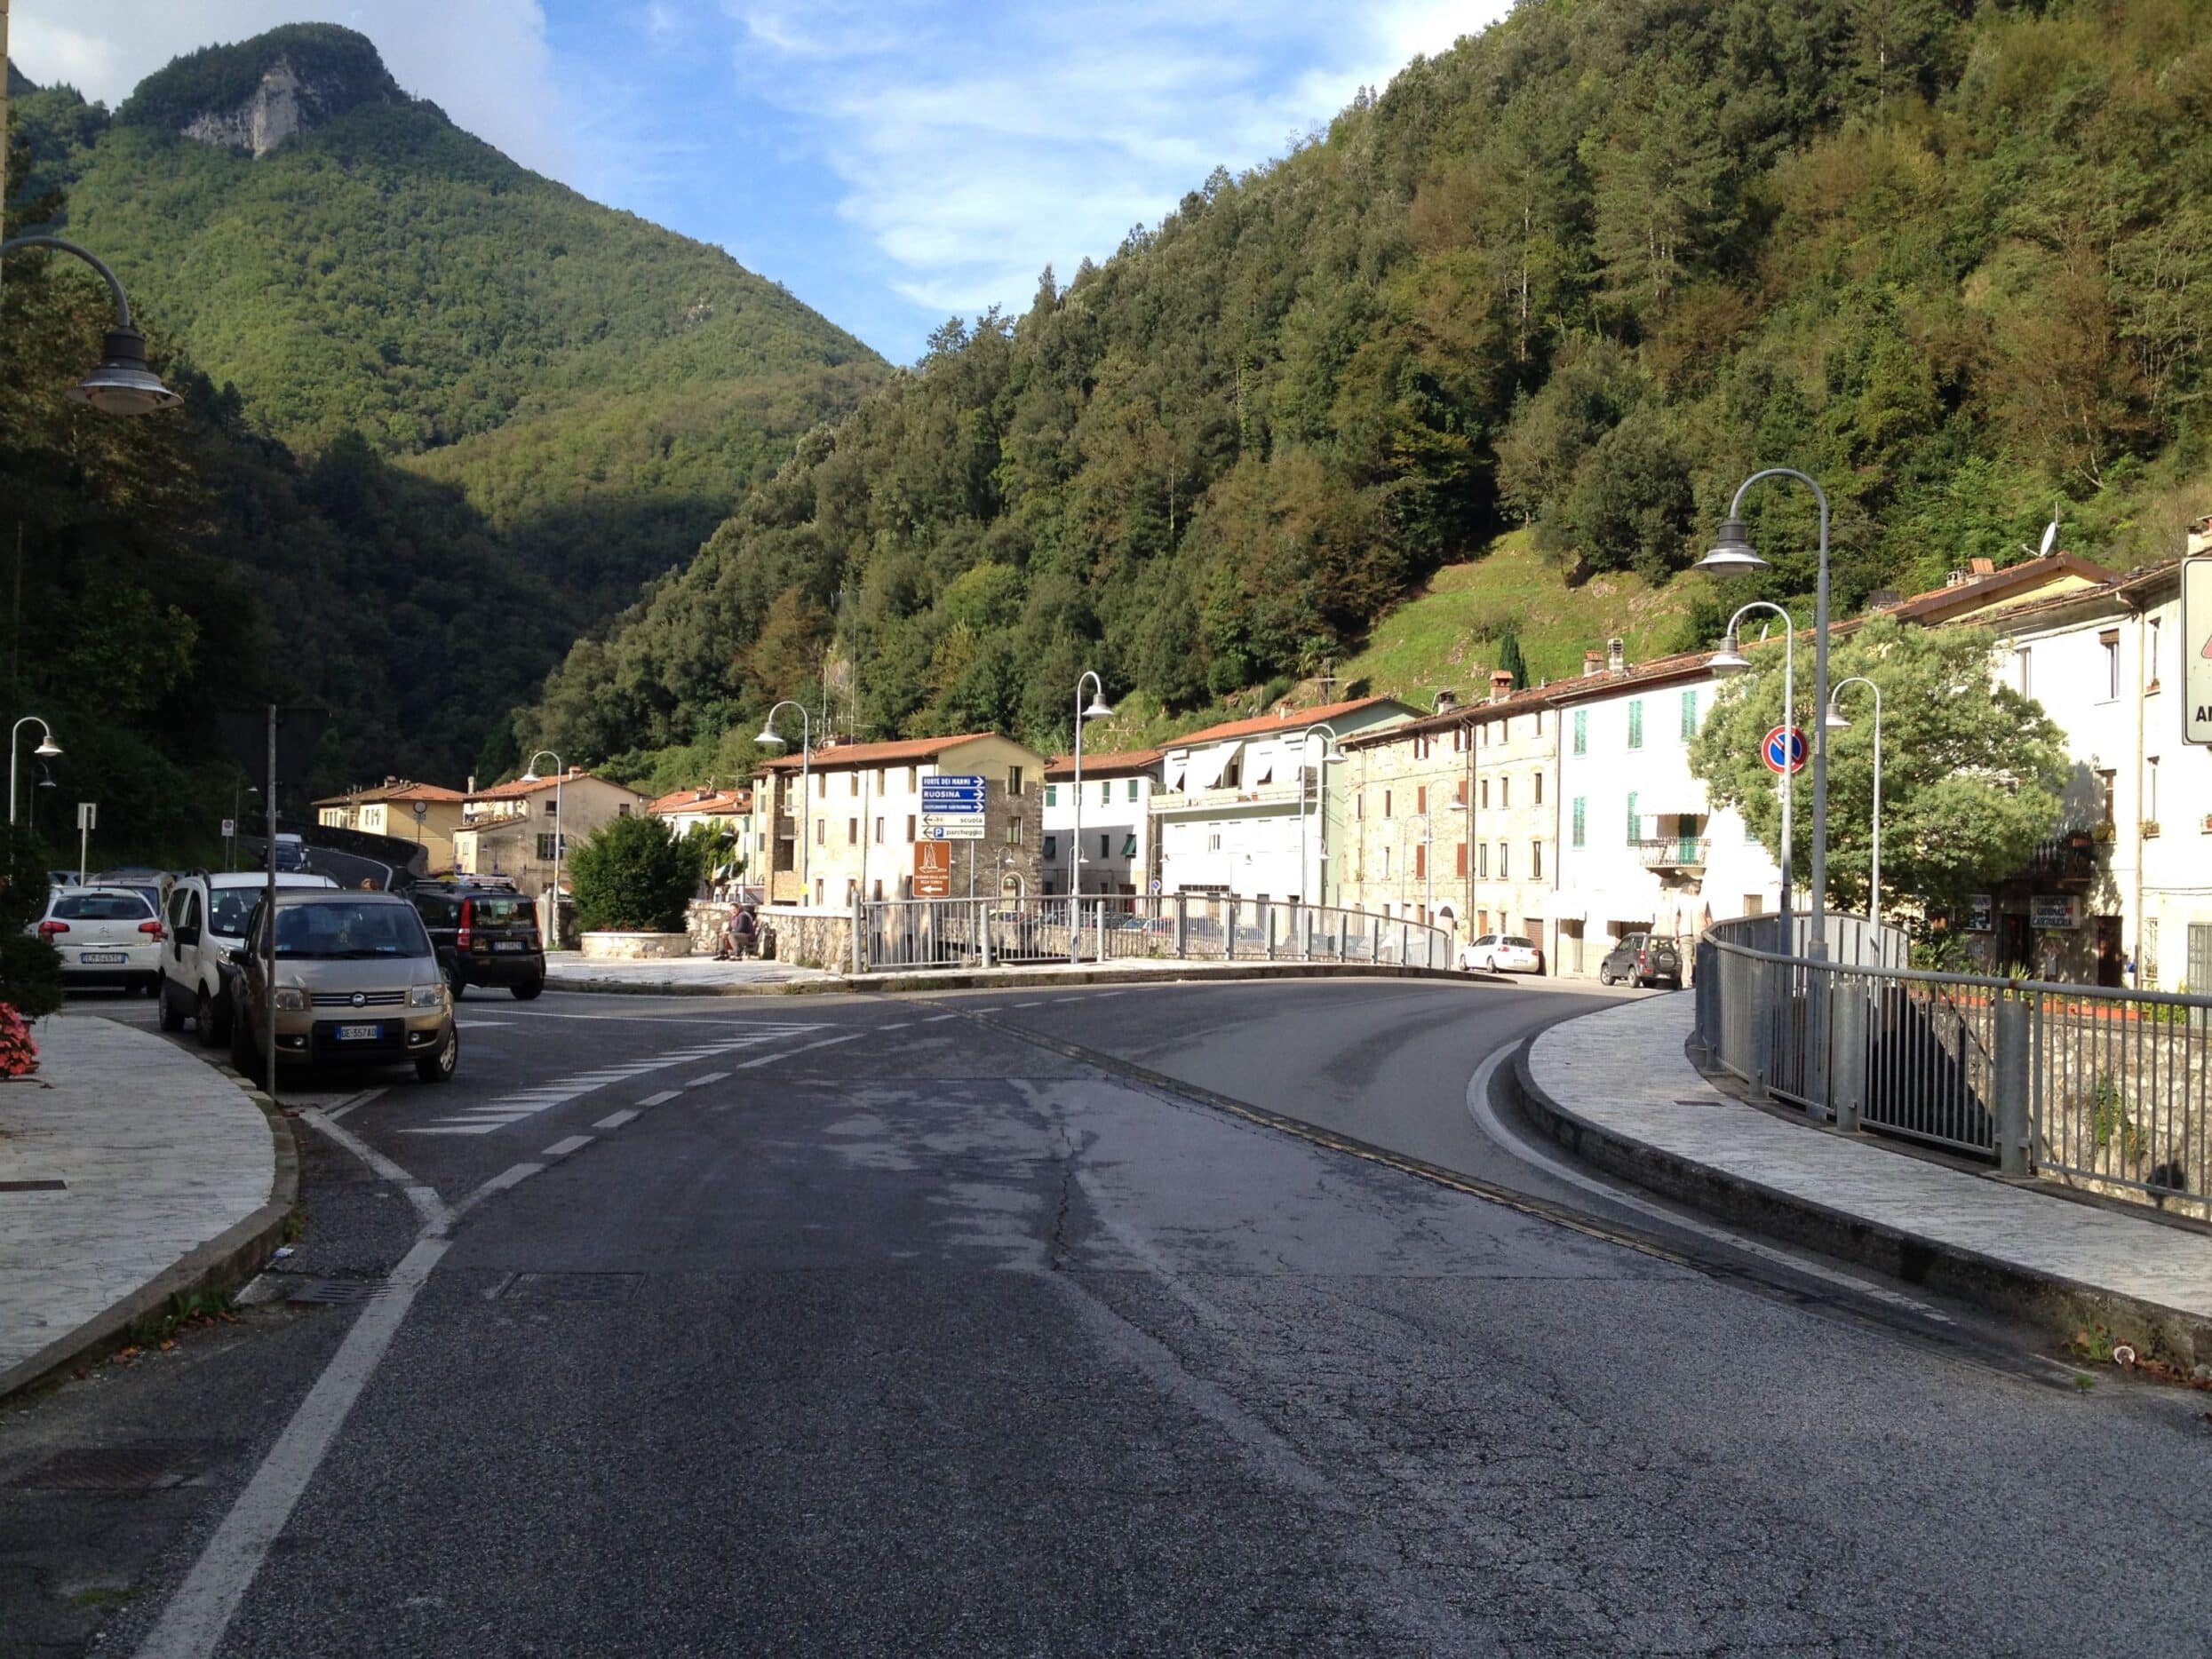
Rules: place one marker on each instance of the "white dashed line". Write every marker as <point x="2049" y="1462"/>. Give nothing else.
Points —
<point x="938" y="1020"/>
<point x="766" y="1060"/>
<point x="615" y="1120"/>
<point x="563" y="1149"/>
<point x="701" y="1083"/>
<point x="662" y="1099"/>
<point x="897" y="1025"/>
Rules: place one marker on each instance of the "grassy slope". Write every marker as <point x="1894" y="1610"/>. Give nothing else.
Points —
<point x="1447" y="635"/>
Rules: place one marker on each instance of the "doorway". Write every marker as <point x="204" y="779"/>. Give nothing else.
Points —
<point x="2109" y="961"/>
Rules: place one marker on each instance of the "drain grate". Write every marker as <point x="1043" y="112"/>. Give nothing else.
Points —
<point x="147" y="1466"/>
<point x="339" y="1291"/>
<point x="34" y="1186"/>
<point x="573" y="1287"/>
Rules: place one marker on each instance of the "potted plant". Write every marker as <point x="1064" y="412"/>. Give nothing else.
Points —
<point x="2149" y="828"/>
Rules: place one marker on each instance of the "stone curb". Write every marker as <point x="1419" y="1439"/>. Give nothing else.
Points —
<point x="2059" y="1306"/>
<point x="223" y="1263"/>
<point x="1043" y="977"/>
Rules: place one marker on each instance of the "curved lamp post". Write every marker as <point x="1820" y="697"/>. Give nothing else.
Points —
<point x="123" y="384"/>
<point x="1730" y="660"/>
<point x="1835" y="722"/>
<point x="1098" y="709"/>
<point x="1733" y="555"/>
<point x="47" y="747"/>
<point x="769" y="739"/>
<point x="561" y="830"/>
<point x="1331" y="755"/>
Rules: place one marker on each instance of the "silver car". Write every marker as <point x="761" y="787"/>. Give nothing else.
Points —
<point x="357" y="983"/>
<point x="104" y="936"/>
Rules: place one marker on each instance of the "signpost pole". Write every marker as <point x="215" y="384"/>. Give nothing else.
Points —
<point x="269" y="846"/>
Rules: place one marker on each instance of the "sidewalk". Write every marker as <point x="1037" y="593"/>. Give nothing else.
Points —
<point x="703" y="976"/>
<point x="130" y="1171"/>
<point x="1617" y="1088"/>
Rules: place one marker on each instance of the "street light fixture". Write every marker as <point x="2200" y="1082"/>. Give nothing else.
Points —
<point x="1331" y="755"/>
<point x="1729" y="661"/>
<point x="770" y="739"/>
<point x="1733" y="555"/>
<point x="123" y="384"/>
<point x="1835" y="722"/>
<point x="560" y="831"/>
<point x="47" y="748"/>
<point x="1098" y="709"/>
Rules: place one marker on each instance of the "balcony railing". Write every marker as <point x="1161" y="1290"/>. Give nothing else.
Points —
<point x="1675" y="852"/>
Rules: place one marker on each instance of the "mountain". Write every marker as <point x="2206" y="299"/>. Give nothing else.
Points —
<point x="1578" y="275"/>
<point x="447" y="415"/>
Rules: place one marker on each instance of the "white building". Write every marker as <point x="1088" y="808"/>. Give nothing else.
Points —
<point x="1239" y="805"/>
<point x="1117" y="845"/>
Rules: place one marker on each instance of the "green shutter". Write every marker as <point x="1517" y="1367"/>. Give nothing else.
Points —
<point x="1635" y="823"/>
<point x="1688" y="714"/>
<point x="1577" y="821"/>
<point x="1052" y="795"/>
<point x="1636" y="724"/>
<point x="1582" y="731"/>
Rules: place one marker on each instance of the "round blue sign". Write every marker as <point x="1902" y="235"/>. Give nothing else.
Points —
<point x="1783" y="748"/>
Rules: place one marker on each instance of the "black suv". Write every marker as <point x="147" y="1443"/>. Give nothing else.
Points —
<point x="486" y="933"/>
<point x="1643" y="959"/>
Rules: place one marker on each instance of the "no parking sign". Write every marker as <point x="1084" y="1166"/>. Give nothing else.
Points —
<point x="1783" y="749"/>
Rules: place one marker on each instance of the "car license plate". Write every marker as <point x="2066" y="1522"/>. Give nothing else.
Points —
<point x="102" y="958"/>
<point x="509" y="944"/>
<point x="358" y="1034"/>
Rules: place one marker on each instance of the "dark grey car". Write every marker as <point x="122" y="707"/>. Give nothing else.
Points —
<point x="1643" y="959"/>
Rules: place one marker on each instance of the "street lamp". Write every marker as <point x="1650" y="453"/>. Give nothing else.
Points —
<point x="770" y="739"/>
<point x="1331" y="755"/>
<point x="1726" y="663"/>
<point x="1097" y="710"/>
<point x="46" y="748"/>
<point x="1835" y="722"/>
<point x="1733" y="555"/>
<point x="560" y="831"/>
<point x="123" y="384"/>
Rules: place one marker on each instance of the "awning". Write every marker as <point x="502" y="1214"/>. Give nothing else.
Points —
<point x="1207" y="764"/>
<point x="1172" y="779"/>
<point x="1262" y="767"/>
<point x="1568" y="904"/>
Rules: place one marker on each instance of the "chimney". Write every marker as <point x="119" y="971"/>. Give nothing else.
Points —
<point x="1984" y="566"/>
<point x="1592" y="662"/>
<point x="1954" y="579"/>
<point x="1283" y="711"/>
<point x="472" y="783"/>
<point x="1616" y="656"/>
<point x="1446" y="699"/>
<point x="1501" y="683"/>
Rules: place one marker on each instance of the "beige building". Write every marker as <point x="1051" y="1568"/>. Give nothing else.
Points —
<point x="425" y="813"/>
<point x="515" y="830"/>
<point x="1451" y="818"/>
<point x="852" y="828"/>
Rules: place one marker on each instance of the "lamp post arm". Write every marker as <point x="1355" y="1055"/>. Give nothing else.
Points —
<point x="114" y="286"/>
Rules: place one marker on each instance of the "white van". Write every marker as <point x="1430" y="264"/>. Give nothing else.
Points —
<point x="207" y="918"/>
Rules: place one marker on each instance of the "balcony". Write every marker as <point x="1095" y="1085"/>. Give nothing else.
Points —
<point x="2065" y="860"/>
<point x="1681" y="855"/>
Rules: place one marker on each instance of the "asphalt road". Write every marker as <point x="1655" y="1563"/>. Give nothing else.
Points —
<point x="1177" y="1320"/>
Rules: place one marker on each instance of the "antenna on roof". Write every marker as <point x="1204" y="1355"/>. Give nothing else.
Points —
<point x="2050" y="539"/>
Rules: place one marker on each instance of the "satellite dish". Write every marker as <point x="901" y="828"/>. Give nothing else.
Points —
<point x="2049" y="540"/>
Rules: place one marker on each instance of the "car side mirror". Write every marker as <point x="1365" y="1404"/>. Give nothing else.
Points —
<point x="186" y="935"/>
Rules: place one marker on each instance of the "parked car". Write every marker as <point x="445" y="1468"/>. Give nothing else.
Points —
<point x="1643" y="959"/>
<point x="1502" y="953"/>
<point x="207" y="913"/>
<point x="357" y="983"/>
<point x="485" y="933"/>
<point x="104" y="936"/>
<point x="145" y="879"/>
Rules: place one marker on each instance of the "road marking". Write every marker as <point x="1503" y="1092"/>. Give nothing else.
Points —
<point x="702" y="1082"/>
<point x="615" y="1120"/>
<point x="563" y="1149"/>
<point x="474" y="1025"/>
<point x="766" y="1059"/>
<point x="897" y="1025"/>
<point x="662" y="1099"/>
<point x="1487" y="1120"/>
<point x="361" y="1099"/>
<point x="1035" y="1005"/>
<point x="938" y="1020"/>
<point x="419" y="1194"/>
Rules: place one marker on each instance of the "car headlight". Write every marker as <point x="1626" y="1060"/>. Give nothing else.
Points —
<point x="427" y="996"/>
<point x="291" y="997"/>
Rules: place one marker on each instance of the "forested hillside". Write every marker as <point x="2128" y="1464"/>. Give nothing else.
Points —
<point x="1581" y="274"/>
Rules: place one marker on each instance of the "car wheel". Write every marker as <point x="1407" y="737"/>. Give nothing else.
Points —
<point x="437" y="1067"/>
<point x="204" y="1020"/>
<point x="1490" y="964"/>
<point x="1605" y="976"/>
<point x="169" y="1018"/>
<point x="528" y="990"/>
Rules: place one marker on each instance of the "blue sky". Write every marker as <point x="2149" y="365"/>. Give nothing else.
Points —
<point x="892" y="163"/>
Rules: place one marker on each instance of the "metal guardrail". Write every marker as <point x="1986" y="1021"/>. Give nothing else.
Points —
<point x="2106" y="1088"/>
<point x="1186" y="927"/>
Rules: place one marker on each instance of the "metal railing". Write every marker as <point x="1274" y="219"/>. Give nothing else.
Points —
<point x="2103" y="1088"/>
<point x="1675" y="852"/>
<point x="1184" y="927"/>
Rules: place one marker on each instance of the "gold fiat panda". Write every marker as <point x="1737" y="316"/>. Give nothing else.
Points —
<point x="357" y="983"/>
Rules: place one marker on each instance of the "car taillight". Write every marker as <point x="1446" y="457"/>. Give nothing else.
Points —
<point x="468" y="920"/>
<point x="47" y="930"/>
<point x="154" y="928"/>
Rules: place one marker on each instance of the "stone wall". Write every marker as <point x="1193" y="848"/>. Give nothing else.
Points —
<point x="634" y="947"/>
<point x="811" y="938"/>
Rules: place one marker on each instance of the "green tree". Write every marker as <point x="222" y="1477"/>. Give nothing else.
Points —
<point x="635" y="874"/>
<point x="30" y="971"/>
<point x="1971" y="777"/>
<point x="1509" y="658"/>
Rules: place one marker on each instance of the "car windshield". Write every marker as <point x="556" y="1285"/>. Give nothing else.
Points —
<point x="502" y="912"/>
<point x="1516" y="940"/>
<point x="350" y="930"/>
<point x="102" y="907"/>
<point x="230" y="908"/>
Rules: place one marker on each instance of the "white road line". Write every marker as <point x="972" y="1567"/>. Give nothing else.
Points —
<point x="1487" y="1120"/>
<point x="766" y="1060"/>
<point x="897" y="1025"/>
<point x="938" y="1020"/>
<point x="702" y="1081"/>
<point x="615" y="1120"/>
<point x="662" y="1099"/>
<point x="359" y="1100"/>
<point x="419" y="1194"/>
<point x="1035" y="1005"/>
<point x="474" y="1025"/>
<point x="563" y="1149"/>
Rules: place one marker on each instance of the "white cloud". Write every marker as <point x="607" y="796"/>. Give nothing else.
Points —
<point x="485" y="62"/>
<point x="974" y="150"/>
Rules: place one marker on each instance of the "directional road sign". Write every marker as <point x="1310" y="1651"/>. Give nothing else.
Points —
<point x="953" y="794"/>
<point x="1783" y="749"/>
<point x="952" y="830"/>
<point x="2196" y="648"/>
<point x="933" y="870"/>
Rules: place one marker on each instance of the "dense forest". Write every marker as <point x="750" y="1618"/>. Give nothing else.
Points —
<point x="443" y="415"/>
<point x="1581" y="273"/>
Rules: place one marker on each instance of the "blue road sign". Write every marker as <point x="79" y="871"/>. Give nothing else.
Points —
<point x="956" y="794"/>
<point x="1783" y="749"/>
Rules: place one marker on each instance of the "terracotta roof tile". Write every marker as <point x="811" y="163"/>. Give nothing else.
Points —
<point x="1116" y="763"/>
<point x="848" y="755"/>
<point x="1295" y="719"/>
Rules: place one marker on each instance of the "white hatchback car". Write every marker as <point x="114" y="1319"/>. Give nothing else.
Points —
<point x="104" y="936"/>
<point x="207" y="920"/>
<point x="1502" y="953"/>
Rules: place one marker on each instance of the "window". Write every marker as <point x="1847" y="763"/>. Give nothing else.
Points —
<point x="1460" y="869"/>
<point x="1105" y="846"/>
<point x="2106" y="788"/>
<point x="545" y="848"/>
<point x="2150" y="657"/>
<point x="879" y="831"/>
<point x="1535" y="860"/>
<point x="1385" y="803"/>
<point x="1420" y="861"/>
<point x="881" y="773"/>
<point x="623" y="811"/>
<point x="1505" y="793"/>
<point x="1052" y="795"/>
<point x="1105" y="792"/>
<point x="914" y="779"/>
<point x="1013" y="780"/>
<point x="1052" y="848"/>
<point x="1538" y="778"/>
<point x="2150" y="789"/>
<point x="1420" y="801"/>
<point x="2199" y="955"/>
<point x="1482" y="860"/>
<point x="852" y="829"/>
<point x="1688" y="714"/>
<point x="1635" y="723"/>
<point x="822" y="832"/>
<point x="910" y="827"/>
<point x="1013" y="832"/>
<point x="1577" y="832"/>
<point x="1213" y="840"/>
<point x="2109" y="643"/>
<point x="1129" y="846"/>
<point x="1483" y="804"/>
<point x="1635" y="823"/>
<point x="821" y="786"/>
<point x="1582" y="731"/>
<point x="1385" y="867"/>
<point x="1504" y="860"/>
<point x="2146" y="960"/>
<point x="851" y="782"/>
<point x="2027" y="672"/>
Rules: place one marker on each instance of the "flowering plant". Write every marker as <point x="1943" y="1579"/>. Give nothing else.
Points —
<point x="19" y="1055"/>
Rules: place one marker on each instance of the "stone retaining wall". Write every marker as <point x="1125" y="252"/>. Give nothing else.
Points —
<point x="634" y="947"/>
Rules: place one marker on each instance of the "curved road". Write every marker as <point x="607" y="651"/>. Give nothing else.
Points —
<point x="1179" y="1318"/>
